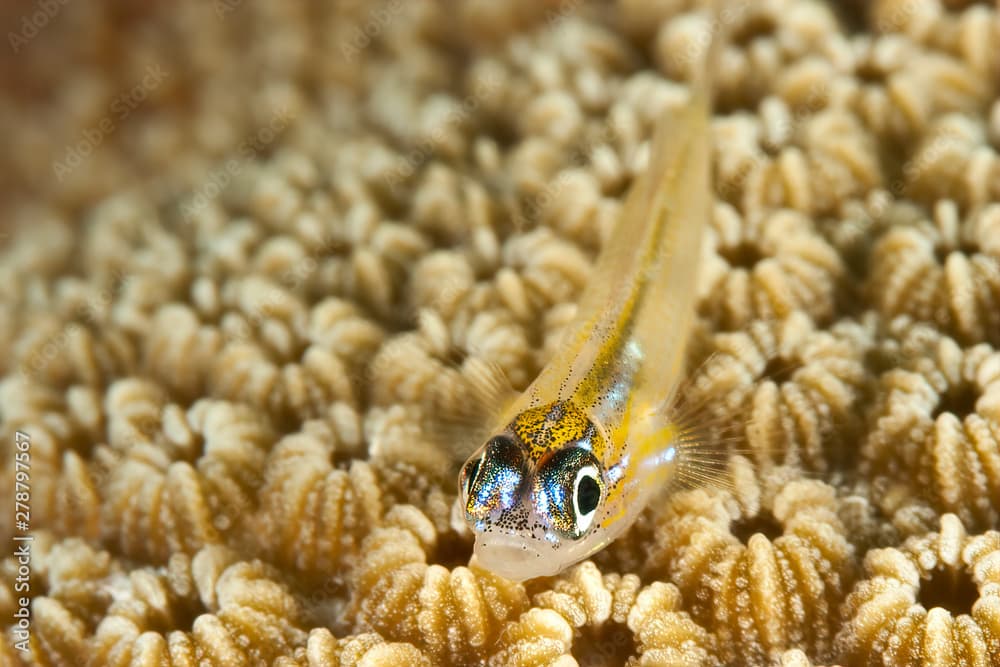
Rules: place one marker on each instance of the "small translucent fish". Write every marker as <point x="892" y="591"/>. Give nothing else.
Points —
<point x="571" y="461"/>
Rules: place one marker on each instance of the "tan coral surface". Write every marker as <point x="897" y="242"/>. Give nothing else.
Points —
<point x="248" y="246"/>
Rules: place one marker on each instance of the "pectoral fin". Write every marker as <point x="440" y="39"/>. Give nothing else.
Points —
<point x="468" y="406"/>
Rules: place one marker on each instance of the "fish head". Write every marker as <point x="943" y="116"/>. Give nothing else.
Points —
<point x="533" y="493"/>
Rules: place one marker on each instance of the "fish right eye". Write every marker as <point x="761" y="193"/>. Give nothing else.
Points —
<point x="469" y="473"/>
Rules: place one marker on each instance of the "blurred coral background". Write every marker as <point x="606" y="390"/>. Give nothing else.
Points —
<point x="244" y="244"/>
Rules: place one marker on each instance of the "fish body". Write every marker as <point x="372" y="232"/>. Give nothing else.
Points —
<point x="576" y="456"/>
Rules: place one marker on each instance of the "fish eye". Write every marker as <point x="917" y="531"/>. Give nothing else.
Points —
<point x="491" y="481"/>
<point x="568" y="491"/>
<point x="469" y="472"/>
<point x="586" y="497"/>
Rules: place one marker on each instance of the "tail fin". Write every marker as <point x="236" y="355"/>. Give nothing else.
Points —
<point x="704" y="79"/>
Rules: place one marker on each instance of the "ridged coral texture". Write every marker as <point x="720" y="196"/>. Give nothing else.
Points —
<point x="250" y="251"/>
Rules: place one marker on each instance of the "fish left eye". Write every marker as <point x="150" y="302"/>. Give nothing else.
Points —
<point x="586" y="497"/>
<point x="568" y="489"/>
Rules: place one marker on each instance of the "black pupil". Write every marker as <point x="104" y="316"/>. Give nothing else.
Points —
<point x="588" y="494"/>
<point x="470" y="473"/>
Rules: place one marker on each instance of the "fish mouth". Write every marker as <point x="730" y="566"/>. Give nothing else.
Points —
<point x="511" y="557"/>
